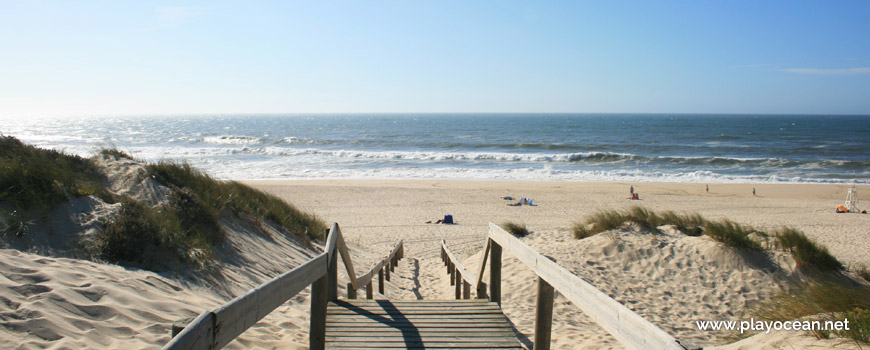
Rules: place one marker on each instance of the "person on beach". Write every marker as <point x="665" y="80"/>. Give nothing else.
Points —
<point x="631" y="190"/>
<point x="708" y="188"/>
<point x="753" y="191"/>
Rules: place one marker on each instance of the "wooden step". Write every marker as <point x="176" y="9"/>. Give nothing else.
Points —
<point x="418" y="324"/>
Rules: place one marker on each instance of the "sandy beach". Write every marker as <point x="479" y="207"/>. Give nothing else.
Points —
<point x="671" y="279"/>
<point x="656" y="283"/>
<point x="378" y="212"/>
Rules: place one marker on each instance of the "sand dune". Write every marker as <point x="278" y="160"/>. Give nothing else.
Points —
<point x="671" y="279"/>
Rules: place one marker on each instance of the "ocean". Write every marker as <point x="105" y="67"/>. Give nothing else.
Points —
<point x="545" y="147"/>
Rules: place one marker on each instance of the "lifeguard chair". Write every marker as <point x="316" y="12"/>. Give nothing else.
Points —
<point x="852" y="200"/>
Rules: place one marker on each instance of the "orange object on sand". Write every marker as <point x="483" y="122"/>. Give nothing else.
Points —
<point x="842" y="209"/>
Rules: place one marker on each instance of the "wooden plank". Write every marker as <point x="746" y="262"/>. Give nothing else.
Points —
<point x="413" y="312"/>
<point x="410" y="307"/>
<point x="624" y="324"/>
<point x="426" y="337"/>
<point x="400" y="310"/>
<point x="351" y="336"/>
<point x="198" y="335"/>
<point x="427" y="345"/>
<point x="423" y="301"/>
<point x="419" y="325"/>
<point x="390" y="303"/>
<point x="409" y="336"/>
<point x="413" y="302"/>
<point x="417" y="318"/>
<point x="236" y="316"/>
<point x="391" y="307"/>
<point x="390" y="330"/>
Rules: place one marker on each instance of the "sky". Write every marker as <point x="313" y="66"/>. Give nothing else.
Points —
<point x="83" y="58"/>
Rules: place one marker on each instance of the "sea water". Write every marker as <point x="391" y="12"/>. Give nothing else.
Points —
<point x="560" y="147"/>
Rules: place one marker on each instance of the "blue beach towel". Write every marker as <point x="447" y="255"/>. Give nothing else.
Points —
<point x="448" y="219"/>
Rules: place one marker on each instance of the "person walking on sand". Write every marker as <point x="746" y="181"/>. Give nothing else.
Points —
<point x="631" y="189"/>
<point x="708" y="188"/>
<point x="753" y="191"/>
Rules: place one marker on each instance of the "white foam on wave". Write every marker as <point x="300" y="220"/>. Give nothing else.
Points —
<point x="441" y="156"/>
<point x="231" y="140"/>
<point x="544" y="173"/>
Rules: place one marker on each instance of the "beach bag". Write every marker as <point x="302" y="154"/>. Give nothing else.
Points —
<point x="448" y="219"/>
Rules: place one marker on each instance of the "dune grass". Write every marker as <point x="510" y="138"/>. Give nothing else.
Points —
<point x="517" y="229"/>
<point x="732" y="234"/>
<point x="823" y="301"/>
<point x="210" y="196"/>
<point x="863" y="272"/>
<point x="807" y="254"/>
<point x="143" y="236"/>
<point x="14" y="224"/>
<point x="185" y="230"/>
<point x="32" y="177"/>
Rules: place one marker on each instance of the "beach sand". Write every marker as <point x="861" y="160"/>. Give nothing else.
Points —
<point x="673" y="282"/>
<point x="670" y="279"/>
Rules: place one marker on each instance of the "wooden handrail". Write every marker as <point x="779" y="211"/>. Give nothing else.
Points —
<point x="217" y="328"/>
<point x="624" y="324"/>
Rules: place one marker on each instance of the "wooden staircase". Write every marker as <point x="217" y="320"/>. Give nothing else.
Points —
<point x="418" y="324"/>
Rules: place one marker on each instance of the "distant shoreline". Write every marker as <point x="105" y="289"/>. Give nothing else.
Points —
<point x="808" y="207"/>
<point x="678" y="148"/>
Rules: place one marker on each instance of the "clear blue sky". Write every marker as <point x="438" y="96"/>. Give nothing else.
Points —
<point x="153" y="57"/>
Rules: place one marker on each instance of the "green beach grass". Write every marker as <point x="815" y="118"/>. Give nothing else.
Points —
<point x="519" y="230"/>
<point x="813" y="297"/>
<point x="823" y="301"/>
<point x="185" y="230"/>
<point x="807" y="253"/>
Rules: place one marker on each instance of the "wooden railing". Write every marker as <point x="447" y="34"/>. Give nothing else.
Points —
<point x="625" y="325"/>
<point x="217" y="328"/>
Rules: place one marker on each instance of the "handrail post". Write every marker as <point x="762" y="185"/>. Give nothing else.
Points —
<point x="458" y="284"/>
<point x="387" y="272"/>
<point x="381" y="281"/>
<point x="466" y="290"/>
<point x="543" y="315"/>
<point x="319" y="300"/>
<point x="369" y="291"/>
<point x="351" y="293"/>
<point x="332" y="272"/>
<point x="481" y="290"/>
<point x="495" y="273"/>
<point x="452" y="271"/>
